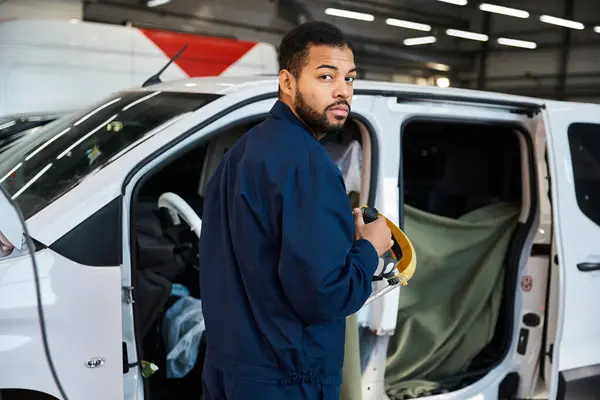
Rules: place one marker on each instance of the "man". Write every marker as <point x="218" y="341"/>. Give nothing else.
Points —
<point x="283" y="262"/>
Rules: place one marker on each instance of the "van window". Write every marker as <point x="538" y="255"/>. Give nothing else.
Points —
<point x="44" y="166"/>
<point x="584" y="141"/>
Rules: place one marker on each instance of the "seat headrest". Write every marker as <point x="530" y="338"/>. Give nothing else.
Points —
<point x="214" y="155"/>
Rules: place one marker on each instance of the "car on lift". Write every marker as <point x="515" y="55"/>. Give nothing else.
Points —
<point x="112" y="201"/>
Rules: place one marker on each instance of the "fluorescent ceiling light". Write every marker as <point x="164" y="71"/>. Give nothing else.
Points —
<point x="442" y="82"/>
<point x="467" y="35"/>
<point x="512" y="12"/>
<point x="407" y="24"/>
<point x="597" y="29"/>
<point x="561" y="22"/>
<point x="455" y="2"/>
<point x="156" y="3"/>
<point x="517" y="43"/>
<point x="336" y="12"/>
<point x="437" y="66"/>
<point x="419" y="40"/>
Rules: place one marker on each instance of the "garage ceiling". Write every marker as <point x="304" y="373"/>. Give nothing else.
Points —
<point x="419" y="36"/>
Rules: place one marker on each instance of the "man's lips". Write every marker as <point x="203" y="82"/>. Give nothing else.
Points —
<point x="341" y="111"/>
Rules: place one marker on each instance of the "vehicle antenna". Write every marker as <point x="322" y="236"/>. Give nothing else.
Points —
<point x="154" y="79"/>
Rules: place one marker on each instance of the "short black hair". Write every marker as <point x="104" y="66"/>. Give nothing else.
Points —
<point x="294" y="47"/>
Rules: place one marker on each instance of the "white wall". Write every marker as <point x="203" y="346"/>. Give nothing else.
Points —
<point x="47" y="9"/>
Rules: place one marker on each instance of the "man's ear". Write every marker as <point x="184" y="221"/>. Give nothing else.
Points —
<point x="287" y="82"/>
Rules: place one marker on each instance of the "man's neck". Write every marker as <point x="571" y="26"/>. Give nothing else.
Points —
<point x="287" y="102"/>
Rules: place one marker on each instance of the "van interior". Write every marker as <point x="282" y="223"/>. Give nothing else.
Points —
<point x="463" y="192"/>
<point x="467" y="212"/>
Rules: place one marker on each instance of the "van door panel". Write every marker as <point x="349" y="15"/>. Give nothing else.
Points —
<point x="574" y="158"/>
<point x="71" y="293"/>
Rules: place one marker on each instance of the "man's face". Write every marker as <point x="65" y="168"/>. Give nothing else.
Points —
<point x="323" y="92"/>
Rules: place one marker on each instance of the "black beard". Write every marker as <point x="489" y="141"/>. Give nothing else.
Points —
<point x="317" y="122"/>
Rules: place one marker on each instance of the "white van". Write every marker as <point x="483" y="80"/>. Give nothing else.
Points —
<point x="53" y="66"/>
<point x="496" y="193"/>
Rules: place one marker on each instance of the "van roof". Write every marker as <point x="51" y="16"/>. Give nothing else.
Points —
<point x="268" y="84"/>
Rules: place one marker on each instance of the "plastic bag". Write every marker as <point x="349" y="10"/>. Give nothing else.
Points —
<point x="350" y="163"/>
<point x="182" y="330"/>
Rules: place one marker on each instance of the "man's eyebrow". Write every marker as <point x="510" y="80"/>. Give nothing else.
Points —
<point x="327" y="66"/>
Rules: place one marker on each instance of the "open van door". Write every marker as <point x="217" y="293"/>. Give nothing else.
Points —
<point x="19" y="318"/>
<point x="60" y="321"/>
<point x="574" y="163"/>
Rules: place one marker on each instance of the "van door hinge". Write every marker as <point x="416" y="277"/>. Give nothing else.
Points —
<point x="127" y="295"/>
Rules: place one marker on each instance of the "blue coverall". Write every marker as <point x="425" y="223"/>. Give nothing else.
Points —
<point x="279" y="267"/>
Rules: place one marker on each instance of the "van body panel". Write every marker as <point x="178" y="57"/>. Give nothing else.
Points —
<point x="89" y="351"/>
<point x="574" y="164"/>
<point x="577" y="349"/>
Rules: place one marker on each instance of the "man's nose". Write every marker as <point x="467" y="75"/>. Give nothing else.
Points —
<point x="342" y="89"/>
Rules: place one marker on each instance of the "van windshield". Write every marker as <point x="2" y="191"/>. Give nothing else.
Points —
<point x="47" y="164"/>
<point x="12" y="129"/>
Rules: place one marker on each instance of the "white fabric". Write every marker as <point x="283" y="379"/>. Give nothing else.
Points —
<point x="350" y="163"/>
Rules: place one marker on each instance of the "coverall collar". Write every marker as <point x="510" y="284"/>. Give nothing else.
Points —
<point x="282" y="111"/>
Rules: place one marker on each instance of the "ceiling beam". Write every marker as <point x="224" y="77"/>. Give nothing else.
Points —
<point x="592" y="44"/>
<point x="549" y="92"/>
<point x="531" y="77"/>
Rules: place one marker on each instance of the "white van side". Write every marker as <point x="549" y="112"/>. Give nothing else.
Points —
<point x="53" y="66"/>
<point x="496" y="192"/>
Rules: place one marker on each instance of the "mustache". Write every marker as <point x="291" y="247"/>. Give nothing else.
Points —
<point x="337" y="104"/>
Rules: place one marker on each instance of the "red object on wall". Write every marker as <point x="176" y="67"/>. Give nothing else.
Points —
<point x="204" y="55"/>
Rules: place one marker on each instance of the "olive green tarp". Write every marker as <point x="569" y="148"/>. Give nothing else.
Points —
<point x="448" y="312"/>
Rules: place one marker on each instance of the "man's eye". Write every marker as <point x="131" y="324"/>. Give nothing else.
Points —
<point x="351" y="79"/>
<point x="325" y="77"/>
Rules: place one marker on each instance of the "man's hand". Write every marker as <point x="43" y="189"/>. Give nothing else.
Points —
<point x="377" y="232"/>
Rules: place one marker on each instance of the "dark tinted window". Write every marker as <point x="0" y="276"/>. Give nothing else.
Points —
<point x="584" y="141"/>
<point x="44" y="166"/>
<point x="13" y="129"/>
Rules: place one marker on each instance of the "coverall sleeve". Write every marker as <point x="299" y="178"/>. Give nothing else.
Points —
<point x="325" y="273"/>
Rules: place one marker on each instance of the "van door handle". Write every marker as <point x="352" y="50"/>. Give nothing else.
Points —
<point x="588" y="266"/>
